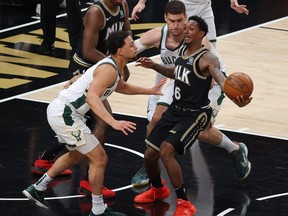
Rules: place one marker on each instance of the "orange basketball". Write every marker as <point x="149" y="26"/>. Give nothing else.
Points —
<point x="238" y="84"/>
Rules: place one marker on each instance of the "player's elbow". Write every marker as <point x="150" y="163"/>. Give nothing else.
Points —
<point x="89" y="100"/>
<point x="88" y="54"/>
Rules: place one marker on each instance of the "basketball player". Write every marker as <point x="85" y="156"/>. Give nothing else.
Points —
<point x="185" y="118"/>
<point x="102" y="18"/>
<point x="168" y="40"/>
<point x="66" y="116"/>
<point x="202" y="8"/>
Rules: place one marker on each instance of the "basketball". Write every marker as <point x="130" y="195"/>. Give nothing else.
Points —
<point x="238" y="84"/>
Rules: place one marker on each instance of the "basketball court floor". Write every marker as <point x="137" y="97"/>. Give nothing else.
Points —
<point x="255" y="44"/>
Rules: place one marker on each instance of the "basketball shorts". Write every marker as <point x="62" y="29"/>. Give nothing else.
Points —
<point x="180" y="128"/>
<point x="164" y="100"/>
<point x="215" y="95"/>
<point x="70" y="127"/>
<point x="77" y="66"/>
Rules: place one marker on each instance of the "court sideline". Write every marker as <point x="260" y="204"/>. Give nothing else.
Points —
<point x="211" y="184"/>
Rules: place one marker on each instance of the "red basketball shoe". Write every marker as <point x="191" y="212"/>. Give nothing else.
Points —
<point x="152" y="195"/>
<point x="184" y="208"/>
<point x="42" y="166"/>
<point x="85" y="189"/>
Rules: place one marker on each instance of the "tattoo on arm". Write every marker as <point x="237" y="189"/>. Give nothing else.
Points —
<point x="167" y="71"/>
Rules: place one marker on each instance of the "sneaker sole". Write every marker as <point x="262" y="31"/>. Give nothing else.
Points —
<point x="247" y="174"/>
<point x="249" y="165"/>
<point x="245" y="148"/>
<point x="166" y="195"/>
<point x="39" y="171"/>
<point x="28" y="195"/>
<point x="83" y="191"/>
<point x="140" y="184"/>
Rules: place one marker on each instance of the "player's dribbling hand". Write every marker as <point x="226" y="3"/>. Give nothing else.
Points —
<point x="241" y="101"/>
<point x="124" y="126"/>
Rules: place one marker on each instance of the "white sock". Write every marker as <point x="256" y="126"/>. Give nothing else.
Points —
<point x="42" y="183"/>
<point x="227" y="144"/>
<point x="98" y="206"/>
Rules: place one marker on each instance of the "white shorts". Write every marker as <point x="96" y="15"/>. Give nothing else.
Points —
<point x="70" y="127"/>
<point x="164" y="100"/>
<point x="204" y="10"/>
<point x="215" y="95"/>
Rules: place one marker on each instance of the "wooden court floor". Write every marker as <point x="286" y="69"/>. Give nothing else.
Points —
<point x="259" y="51"/>
<point x="28" y="82"/>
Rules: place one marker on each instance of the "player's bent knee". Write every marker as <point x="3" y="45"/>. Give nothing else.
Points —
<point x="100" y="161"/>
<point x="166" y="152"/>
<point x="151" y="155"/>
<point x="203" y="136"/>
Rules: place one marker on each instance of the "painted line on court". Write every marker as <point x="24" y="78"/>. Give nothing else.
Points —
<point x="79" y="196"/>
<point x="272" y="196"/>
<point x="125" y="149"/>
<point x="243" y="129"/>
<point x="226" y="212"/>
<point x="258" y="199"/>
<point x="220" y="37"/>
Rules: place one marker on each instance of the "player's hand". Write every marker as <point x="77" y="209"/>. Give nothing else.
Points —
<point x="239" y="8"/>
<point x="241" y="101"/>
<point x="124" y="126"/>
<point x="144" y="62"/>
<point x="72" y="80"/>
<point x="137" y="9"/>
<point x="156" y="90"/>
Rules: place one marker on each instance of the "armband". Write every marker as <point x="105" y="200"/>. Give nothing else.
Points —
<point x="139" y="45"/>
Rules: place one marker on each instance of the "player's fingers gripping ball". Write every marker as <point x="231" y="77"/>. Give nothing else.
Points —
<point x="238" y="84"/>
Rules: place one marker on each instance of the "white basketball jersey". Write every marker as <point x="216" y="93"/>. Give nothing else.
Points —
<point x="75" y="95"/>
<point x="168" y="56"/>
<point x="214" y="52"/>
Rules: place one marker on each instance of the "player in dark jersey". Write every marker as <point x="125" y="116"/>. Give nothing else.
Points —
<point x="186" y="117"/>
<point x="100" y="20"/>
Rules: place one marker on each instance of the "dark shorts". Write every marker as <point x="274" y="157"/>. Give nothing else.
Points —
<point x="179" y="128"/>
<point x="75" y="68"/>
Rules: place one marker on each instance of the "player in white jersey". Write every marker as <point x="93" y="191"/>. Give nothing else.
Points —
<point x="66" y="117"/>
<point x="202" y="8"/>
<point x="168" y="39"/>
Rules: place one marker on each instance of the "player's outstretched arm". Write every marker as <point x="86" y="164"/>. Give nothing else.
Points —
<point x="239" y="8"/>
<point x="165" y="70"/>
<point x="104" y="76"/>
<point x="131" y="89"/>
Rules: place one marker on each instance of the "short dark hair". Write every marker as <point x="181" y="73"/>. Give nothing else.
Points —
<point x="175" y="7"/>
<point x="116" y="40"/>
<point x="201" y="23"/>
